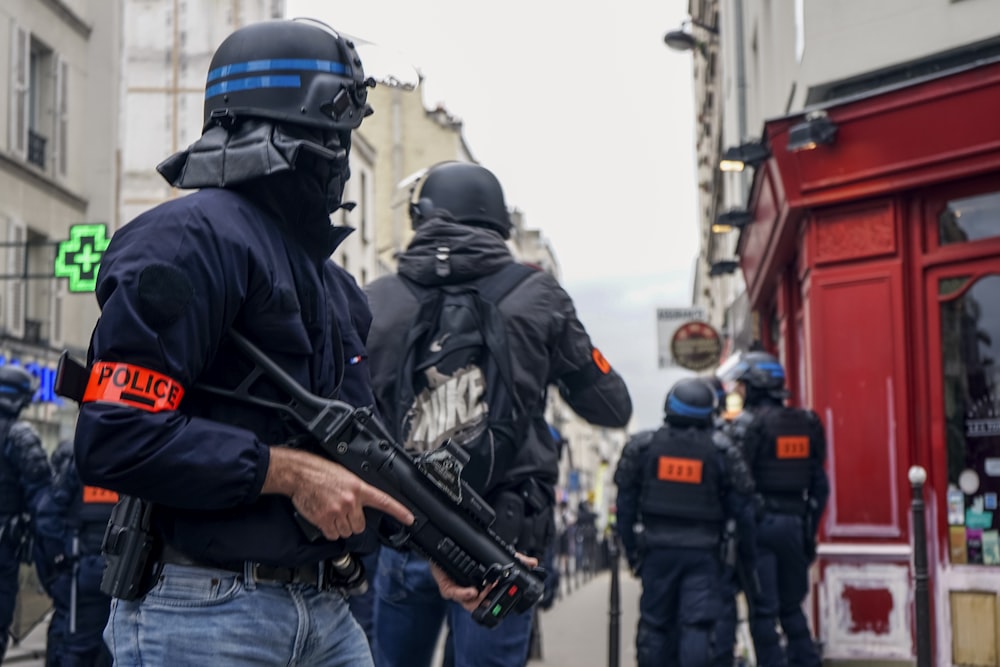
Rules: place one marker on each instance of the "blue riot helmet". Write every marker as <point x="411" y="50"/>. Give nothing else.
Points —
<point x="468" y="192"/>
<point x="299" y="72"/>
<point x="17" y="386"/>
<point x="279" y="96"/>
<point x="690" y="402"/>
<point x="762" y="374"/>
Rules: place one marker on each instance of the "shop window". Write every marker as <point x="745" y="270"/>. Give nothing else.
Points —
<point x="970" y="219"/>
<point x="970" y="354"/>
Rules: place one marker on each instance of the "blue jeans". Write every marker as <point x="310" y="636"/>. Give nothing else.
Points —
<point x="783" y="569"/>
<point x="197" y="616"/>
<point x="409" y="614"/>
<point x="681" y="600"/>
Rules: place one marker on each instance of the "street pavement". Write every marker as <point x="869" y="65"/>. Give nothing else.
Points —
<point x="575" y="632"/>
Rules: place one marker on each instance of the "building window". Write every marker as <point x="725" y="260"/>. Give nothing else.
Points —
<point x="970" y="219"/>
<point x="38" y="103"/>
<point x="970" y="349"/>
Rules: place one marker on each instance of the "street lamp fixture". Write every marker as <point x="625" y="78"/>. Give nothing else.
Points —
<point x="723" y="267"/>
<point x="682" y="40"/>
<point x="734" y="218"/>
<point x="817" y="129"/>
<point x="737" y="158"/>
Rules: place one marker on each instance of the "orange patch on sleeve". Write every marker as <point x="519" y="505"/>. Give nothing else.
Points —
<point x="132" y="385"/>
<point x="95" y="494"/>
<point x="792" y="447"/>
<point x="599" y="360"/>
<point x="673" y="469"/>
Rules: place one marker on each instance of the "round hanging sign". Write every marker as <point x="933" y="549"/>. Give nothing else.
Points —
<point x="696" y="345"/>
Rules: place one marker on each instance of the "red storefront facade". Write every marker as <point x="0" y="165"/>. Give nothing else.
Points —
<point x="873" y="266"/>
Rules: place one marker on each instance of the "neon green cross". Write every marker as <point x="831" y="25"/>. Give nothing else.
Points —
<point x="79" y="257"/>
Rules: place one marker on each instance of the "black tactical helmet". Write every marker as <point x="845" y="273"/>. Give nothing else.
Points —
<point x="471" y="194"/>
<point x="759" y="370"/>
<point x="299" y="71"/>
<point x="690" y="402"/>
<point x="17" y="386"/>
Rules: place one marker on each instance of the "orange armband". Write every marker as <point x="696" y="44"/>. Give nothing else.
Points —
<point x="134" y="386"/>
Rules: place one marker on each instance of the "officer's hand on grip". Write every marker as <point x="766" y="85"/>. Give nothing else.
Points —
<point x="469" y="596"/>
<point x="326" y="494"/>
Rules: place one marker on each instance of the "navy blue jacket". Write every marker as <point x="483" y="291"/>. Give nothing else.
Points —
<point x="172" y="283"/>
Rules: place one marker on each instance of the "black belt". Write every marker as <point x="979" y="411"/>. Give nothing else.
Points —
<point x="311" y="575"/>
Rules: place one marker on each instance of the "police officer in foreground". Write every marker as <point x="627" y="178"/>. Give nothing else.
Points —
<point x="786" y="450"/>
<point x="24" y="473"/>
<point x="236" y="578"/>
<point x="676" y="490"/>
<point x="69" y="527"/>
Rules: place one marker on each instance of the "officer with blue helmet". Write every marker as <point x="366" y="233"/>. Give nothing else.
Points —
<point x="676" y="490"/>
<point x="24" y="473"/>
<point x="233" y="575"/>
<point x="70" y="522"/>
<point x="785" y="448"/>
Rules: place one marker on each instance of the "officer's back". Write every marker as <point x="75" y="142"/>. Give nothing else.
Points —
<point x="675" y="491"/>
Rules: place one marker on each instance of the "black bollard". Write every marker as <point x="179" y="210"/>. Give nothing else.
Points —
<point x="614" y="607"/>
<point x="921" y="597"/>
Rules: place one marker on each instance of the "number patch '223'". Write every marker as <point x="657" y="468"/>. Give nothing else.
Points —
<point x="793" y="447"/>
<point x="673" y="469"/>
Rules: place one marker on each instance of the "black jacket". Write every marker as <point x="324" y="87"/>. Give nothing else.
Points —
<point x="549" y="345"/>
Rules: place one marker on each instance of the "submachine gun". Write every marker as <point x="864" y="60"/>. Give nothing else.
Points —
<point x="452" y="525"/>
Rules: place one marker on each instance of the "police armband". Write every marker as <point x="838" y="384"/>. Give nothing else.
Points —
<point x="117" y="382"/>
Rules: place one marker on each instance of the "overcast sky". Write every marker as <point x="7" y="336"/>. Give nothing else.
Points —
<point x="586" y="117"/>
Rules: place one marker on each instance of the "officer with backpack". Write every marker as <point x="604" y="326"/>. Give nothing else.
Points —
<point x="676" y="491"/>
<point x="464" y="344"/>
<point x="69" y="528"/>
<point x="24" y="473"/>
<point x="786" y="450"/>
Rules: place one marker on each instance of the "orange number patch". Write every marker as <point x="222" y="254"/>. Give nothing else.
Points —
<point x="672" y="469"/>
<point x="95" y="494"/>
<point x="793" y="447"/>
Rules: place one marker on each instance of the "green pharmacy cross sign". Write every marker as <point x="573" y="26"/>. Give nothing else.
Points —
<point x="79" y="257"/>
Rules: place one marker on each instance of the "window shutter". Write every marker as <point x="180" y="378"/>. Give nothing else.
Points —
<point x="20" y="60"/>
<point x="56" y="316"/>
<point x="15" y="283"/>
<point x="59" y="135"/>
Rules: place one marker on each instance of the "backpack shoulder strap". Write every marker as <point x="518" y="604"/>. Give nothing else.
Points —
<point x="497" y="285"/>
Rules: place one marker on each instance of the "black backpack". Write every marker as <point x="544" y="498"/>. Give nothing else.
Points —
<point x="456" y="379"/>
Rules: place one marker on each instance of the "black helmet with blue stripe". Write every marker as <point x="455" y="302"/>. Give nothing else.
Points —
<point x="690" y="402"/>
<point x="759" y="370"/>
<point x="292" y="71"/>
